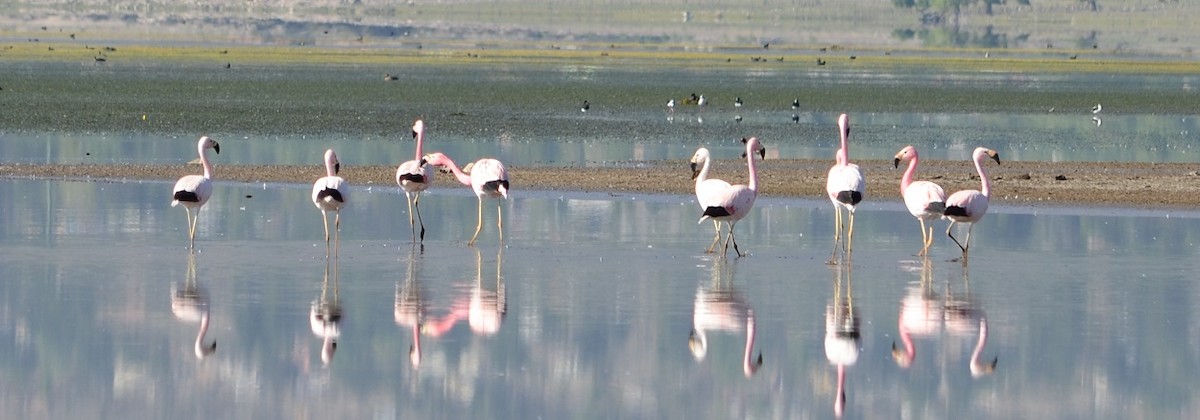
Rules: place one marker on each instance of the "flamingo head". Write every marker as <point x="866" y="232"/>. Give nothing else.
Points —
<point x="698" y="161"/>
<point x="331" y="161"/>
<point x="903" y="358"/>
<point x="697" y="345"/>
<point x="992" y="154"/>
<point x="983" y="369"/>
<point x="752" y="367"/>
<point x="754" y="146"/>
<point x="905" y="154"/>
<point x="418" y="128"/>
<point x="207" y="142"/>
<point x="414" y="356"/>
<point x="844" y="125"/>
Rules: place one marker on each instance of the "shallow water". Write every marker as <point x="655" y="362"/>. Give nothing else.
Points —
<point x="1089" y="313"/>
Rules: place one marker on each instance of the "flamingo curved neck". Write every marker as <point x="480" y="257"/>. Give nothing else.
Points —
<point x="703" y="171"/>
<point x="201" y="349"/>
<point x="986" y="189"/>
<point x="909" y="174"/>
<point x="748" y="364"/>
<point x="910" y="351"/>
<point x="750" y="164"/>
<point x="208" y="169"/>
<point x="463" y="178"/>
<point x="975" y="367"/>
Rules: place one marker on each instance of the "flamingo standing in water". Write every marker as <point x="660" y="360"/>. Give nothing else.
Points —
<point x="732" y="203"/>
<point x="925" y="200"/>
<point x="413" y="177"/>
<point x="706" y="189"/>
<point x="330" y="193"/>
<point x="846" y="187"/>
<point x="487" y="177"/>
<point x="969" y="206"/>
<point x="193" y="190"/>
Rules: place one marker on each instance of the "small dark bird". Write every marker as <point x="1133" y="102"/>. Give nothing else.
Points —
<point x="227" y="65"/>
<point x="766" y="45"/>
<point x="796" y="103"/>
<point x="820" y="62"/>
<point x="737" y="102"/>
<point x="796" y="118"/>
<point x="586" y="106"/>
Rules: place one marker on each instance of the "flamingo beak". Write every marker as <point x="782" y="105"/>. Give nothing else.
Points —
<point x="216" y="147"/>
<point x="896" y="163"/>
<point x="762" y="153"/>
<point x="995" y="156"/>
<point x="414" y="134"/>
<point x="337" y="167"/>
<point x="695" y="170"/>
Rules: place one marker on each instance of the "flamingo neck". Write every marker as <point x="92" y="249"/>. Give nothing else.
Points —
<point x="415" y="358"/>
<point x="843" y="156"/>
<point x="839" y="401"/>
<point x="750" y="164"/>
<point x="909" y="174"/>
<point x="420" y="145"/>
<point x="703" y="171"/>
<point x="208" y="169"/>
<point x="840" y="156"/>
<point x="986" y="189"/>
<point x="463" y="178"/>
<point x="201" y="349"/>
<point x="910" y="351"/>
<point x="979" y="344"/>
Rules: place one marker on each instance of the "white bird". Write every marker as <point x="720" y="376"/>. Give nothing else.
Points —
<point x="707" y="190"/>
<point x="796" y="104"/>
<point x="968" y="206"/>
<point x="925" y="200"/>
<point x="487" y="177"/>
<point x="330" y="193"/>
<point x="733" y="203"/>
<point x="671" y="106"/>
<point x="194" y="190"/>
<point x="846" y="187"/>
<point x="1096" y="109"/>
<point x="415" y="176"/>
<point x="1096" y="120"/>
<point x="190" y="304"/>
<point x="701" y="102"/>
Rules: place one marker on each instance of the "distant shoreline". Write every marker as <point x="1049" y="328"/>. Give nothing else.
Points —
<point x="1133" y="185"/>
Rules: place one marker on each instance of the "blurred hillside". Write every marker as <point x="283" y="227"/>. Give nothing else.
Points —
<point x="1138" y="27"/>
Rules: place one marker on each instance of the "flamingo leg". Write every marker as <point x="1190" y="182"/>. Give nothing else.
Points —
<point x="968" y="247"/>
<point x="411" y="223"/>
<point x="951" y="235"/>
<point x="717" y="239"/>
<point x="850" y="236"/>
<point x="417" y="205"/>
<point x="478" y="223"/>
<point x="325" y="222"/>
<point x="499" y="220"/>
<point x="732" y="238"/>
<point x="837" y="234"/>
<point x="925" y="240"/>
<point x="191" y="228"/>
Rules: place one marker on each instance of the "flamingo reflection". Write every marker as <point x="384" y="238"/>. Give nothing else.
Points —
<point x="923" y="313"/>
<point x="721" y="307"/>
<point x="325" y="314"/>
<point x="842" y="333"/>
<point x="189" y="303"/>
<point x="483" y="307"/>
<point x="410" y="308"/>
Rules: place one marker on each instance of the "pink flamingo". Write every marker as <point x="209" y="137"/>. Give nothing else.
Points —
<point x="194" y="190"/>
<point x="846" y="187"/>
<point x="413" y="177"/>
<point x="330" y="193"/>
<point x="925" y="200"/>
<point x="720" y="307"/>
<point x="969" y="206"/>
<point x="733" y="203"/>
<point x="843" y="335"/>
<point x="487" y="177"/>
<point x="706" y="189"/>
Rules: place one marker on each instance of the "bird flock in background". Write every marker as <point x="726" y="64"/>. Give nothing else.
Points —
<point x="721" y="202"/>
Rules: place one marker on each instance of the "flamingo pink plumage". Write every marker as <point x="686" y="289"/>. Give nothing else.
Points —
<point x="925" y="200"/>
<point x="487" y="177"/>
<point x="194" y="190"/>
<point x="846" y="187"/>
<point x="415" y="176"/>
<point x="706" y="189"/>
<point x="733" y="203"/>
<point x="330" y="193"/>
<point x="969" y="206"/>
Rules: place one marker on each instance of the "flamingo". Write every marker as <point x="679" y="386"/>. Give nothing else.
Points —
<point x="415" y="176"/>
<point x="486" y="308"/>
<point x="189" y="303"/>
<point x="925" y="200"/>
<point x="921" y="314"/>
<point x="194" y="190"/>
<point x="487" y="177"/>
<point x="969" y="206"/>
<point x="330" y="193"/>
<point x="410" y="308"/>
<point x="845" y="186"/>
<point x="706" y="188"/>
<point x="732" y="203"/>
<point x="721" y="308"/>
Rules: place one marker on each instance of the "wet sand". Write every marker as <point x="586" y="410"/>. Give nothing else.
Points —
<point x="1136" y="185"/>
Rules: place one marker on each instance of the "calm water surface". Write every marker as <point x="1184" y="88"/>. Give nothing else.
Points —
<point x="586" y="310"/>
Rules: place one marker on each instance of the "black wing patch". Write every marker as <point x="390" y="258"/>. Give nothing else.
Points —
<point x="187" y="196"/>
<point x="850" y="197"/>
<point x="330" y="192"/>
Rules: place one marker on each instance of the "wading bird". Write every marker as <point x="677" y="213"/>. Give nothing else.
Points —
<point x="487" y="177"/>
<point x="846" y="187"/>
<point x="330" y="193"/>
<point x="733" y="203"/>
<point x="925" y="200"/>
<point x="193" y="190"/>
<point x="707" y="190"/>
<point x="415" y="176"/>
<point x="968" y="206"/>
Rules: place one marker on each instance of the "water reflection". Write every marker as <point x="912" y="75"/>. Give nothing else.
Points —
<point x="843" y="337"/>
<point x="483" y="306"/>
<point x="720" y="307"/>
<point x="926" y="315"/>
<point x="189" y="303"/>
<point x="410" y="304"/>
<point x="325" y="315"/>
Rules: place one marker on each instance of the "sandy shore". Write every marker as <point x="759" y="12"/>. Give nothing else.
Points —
<point x="1137" y="185"/>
